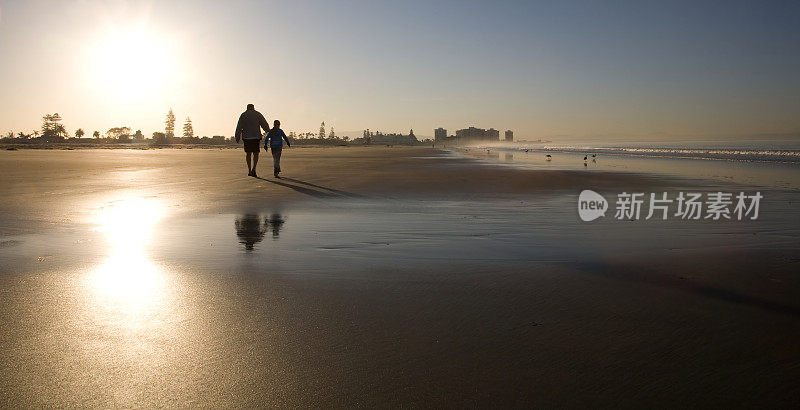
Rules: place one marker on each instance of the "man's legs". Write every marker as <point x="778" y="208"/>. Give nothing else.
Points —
<point x="248" y="164"/>
<point x="255" y="162"/>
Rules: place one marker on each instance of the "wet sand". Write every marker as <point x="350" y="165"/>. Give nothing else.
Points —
<point x="47" y="186"/>
<point x="375" y="277"/>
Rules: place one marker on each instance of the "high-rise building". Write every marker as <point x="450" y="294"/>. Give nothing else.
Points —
<point x="471" y="133"/>
<point x="509" y="136"/>
<point x="439" y="134"/>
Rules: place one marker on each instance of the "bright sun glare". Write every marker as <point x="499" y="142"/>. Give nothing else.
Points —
<point x="128" y="281"/>
<point x="131" y="63"/>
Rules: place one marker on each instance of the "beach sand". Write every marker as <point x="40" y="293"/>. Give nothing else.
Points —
<point x="379" y="277"/>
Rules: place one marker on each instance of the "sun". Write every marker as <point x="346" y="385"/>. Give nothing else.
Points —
<point x="131" y="64"/>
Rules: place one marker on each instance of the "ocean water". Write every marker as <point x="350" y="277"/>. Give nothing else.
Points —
<point x="781" y="151"/>
<point x="767" y="163"/>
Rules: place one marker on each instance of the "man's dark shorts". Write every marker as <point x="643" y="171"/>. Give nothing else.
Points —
<point x="252" y="145"/>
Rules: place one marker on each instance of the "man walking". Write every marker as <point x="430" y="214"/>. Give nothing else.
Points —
<point x="249" y="130"/>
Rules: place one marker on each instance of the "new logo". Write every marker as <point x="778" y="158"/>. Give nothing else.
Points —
<point x="591" y="205"/>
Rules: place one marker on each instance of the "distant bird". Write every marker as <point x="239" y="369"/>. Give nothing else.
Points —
<point x="526" y="150"/>
<point x="594" y="155"/>
<point x="549" y="157"/>
<point x="585" y="157"/>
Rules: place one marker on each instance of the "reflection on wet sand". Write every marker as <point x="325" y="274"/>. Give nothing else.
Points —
<point x="275" y="223"/>
<point x="251" y="230"/>
<point x="128" y="282"/>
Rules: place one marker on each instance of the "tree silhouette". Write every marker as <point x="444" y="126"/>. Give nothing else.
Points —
<point x="52" y="128"/>
<point x="188" y="131"/>
<point x="322" y="130"/>
<point x="79" y="133"/>
<point x="96" y="134"/>
<point x="159" y="138"/>
<point x="138" y="135"/>
<point x="169" y="131"/>
<point x="122" y="134"/>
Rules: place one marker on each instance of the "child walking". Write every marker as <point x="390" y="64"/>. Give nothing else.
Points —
<point x="274" y="141"/>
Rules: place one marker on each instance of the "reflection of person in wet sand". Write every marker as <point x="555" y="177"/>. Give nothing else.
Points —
<point x="274" y="223"/>
<point x="250" y="230"/>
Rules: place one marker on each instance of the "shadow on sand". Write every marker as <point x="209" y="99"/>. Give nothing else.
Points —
<point x="705" y="290"/>
<point x="310" y="189"/>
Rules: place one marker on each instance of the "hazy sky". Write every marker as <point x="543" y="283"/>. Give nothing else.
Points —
<point x="595" y="68"/>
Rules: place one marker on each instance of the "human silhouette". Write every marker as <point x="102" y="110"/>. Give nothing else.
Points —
<point x="249" y="130"/>
<point x="250" y="230"/>
<point x="274" y="223"/>
<point x="274" y="141"/>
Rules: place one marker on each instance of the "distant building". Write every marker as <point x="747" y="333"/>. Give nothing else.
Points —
<point x="509" y="136"/>
<point x="439" y="134"/>
<point x="379" y="138"/>
<point x="478" y="134"/>
<point x="470" y="133"/>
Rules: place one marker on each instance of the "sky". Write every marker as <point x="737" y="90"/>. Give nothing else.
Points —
<point x="641" y="69"/>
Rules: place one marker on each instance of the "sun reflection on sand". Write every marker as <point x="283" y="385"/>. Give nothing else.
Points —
<point x="129" y="281"/>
